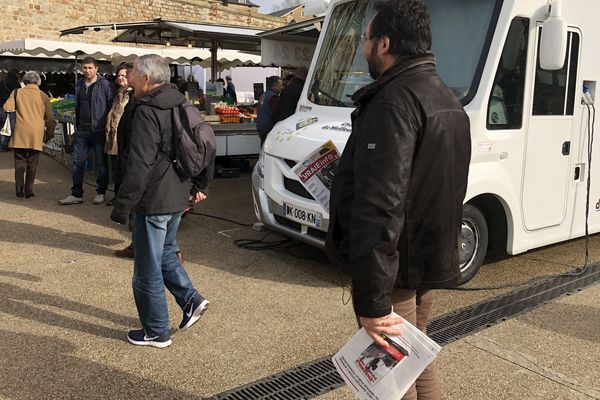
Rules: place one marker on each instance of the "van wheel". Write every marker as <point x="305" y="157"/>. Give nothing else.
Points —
<point x="473" y="242"/>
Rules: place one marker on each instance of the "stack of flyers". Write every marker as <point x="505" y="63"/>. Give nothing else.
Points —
<point x="382" y="373"/>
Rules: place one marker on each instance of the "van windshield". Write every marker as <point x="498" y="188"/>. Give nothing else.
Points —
<point x="461" y="31"/>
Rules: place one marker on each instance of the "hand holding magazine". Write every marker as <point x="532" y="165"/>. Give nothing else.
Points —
<point x="377" y="373"/>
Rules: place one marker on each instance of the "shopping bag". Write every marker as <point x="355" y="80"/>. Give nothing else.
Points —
<point x="6" y="131"/>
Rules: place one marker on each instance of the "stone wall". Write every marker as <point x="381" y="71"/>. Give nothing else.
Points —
<point x="44" y="19"/>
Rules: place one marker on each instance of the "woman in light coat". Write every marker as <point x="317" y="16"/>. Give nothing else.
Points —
<point x="123" y="96"/>
<point x="34" y="123"/>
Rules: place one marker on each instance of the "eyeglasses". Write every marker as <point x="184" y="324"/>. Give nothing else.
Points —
<point x="364" y="37"/>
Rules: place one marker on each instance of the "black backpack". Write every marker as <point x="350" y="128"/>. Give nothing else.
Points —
<point x="194" y="142"/>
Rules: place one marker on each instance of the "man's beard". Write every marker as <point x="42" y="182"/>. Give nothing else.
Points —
<point x="374" y="69"/>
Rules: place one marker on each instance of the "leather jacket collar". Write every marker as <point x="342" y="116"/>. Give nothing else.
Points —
<point x="402" y="65"/>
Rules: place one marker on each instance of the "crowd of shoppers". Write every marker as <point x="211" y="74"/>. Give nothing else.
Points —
<point x="149" y="193"/>
<point x="394" y="265"/>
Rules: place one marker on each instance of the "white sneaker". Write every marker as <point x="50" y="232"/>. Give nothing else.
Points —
<point x="99" y="199"/>
<point x="71" y="200"/>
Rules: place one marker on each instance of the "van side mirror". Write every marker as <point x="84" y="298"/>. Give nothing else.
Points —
<point x="553" y="43"/>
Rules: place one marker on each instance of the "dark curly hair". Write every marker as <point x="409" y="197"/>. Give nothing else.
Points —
<point x="406" y="22"/>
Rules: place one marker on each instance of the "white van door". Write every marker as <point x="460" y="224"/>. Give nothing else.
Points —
<point x="547" y="171"/>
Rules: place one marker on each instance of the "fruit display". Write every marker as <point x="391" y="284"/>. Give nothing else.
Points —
<point x="63" y="109"/>
<point x="228" y="114"/>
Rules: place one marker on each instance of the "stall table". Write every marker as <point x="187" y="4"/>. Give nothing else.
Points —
<point x="236" y="140"/>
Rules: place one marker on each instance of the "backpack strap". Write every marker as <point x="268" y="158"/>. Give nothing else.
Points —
<point x="175" y="133"/>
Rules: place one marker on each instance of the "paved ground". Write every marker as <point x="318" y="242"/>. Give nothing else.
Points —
<point x="66" y="305"/>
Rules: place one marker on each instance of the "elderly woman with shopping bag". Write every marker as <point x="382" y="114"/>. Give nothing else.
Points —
<point x="34" y="125"/>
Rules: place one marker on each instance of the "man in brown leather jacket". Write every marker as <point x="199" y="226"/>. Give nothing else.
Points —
<point x="396" y="200"/>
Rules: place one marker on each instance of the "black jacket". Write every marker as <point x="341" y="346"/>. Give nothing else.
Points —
<point x="103" y="93"/>
<point x="7" y="86"/>
<point x="288" y="100"/>
<point x="397" y="196"/>
<point x="150" y="184"/>
<point x="123" y="139"/>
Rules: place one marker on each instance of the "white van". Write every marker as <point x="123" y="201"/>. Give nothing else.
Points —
<point x="529" y="125"/>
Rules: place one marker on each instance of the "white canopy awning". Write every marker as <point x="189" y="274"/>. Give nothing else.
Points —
<point x="117" y="54"/>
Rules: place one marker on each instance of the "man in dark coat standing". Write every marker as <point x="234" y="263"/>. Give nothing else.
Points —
<point x="158" y="196"/>
<point x="288" y="100"/>
<point x="397" y="196"/>
<point x="94" y="97"/>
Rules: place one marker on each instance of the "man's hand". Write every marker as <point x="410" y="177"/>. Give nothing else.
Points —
<point x="119" y="217"/>
<point x="197" y="198"/>
<point x="376" y="326"/>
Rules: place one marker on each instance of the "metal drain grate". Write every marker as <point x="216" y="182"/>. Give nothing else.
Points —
<point x="303" y="382"/>
<point x="320" y="376"/>
<point x="453" y="326"/>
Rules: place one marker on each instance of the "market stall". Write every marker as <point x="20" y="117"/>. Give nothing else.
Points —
<point x="64" y="114"/>
<point x="236" y="137"/>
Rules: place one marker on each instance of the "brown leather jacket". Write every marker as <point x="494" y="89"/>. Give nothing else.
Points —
<point x="397" y="196"/>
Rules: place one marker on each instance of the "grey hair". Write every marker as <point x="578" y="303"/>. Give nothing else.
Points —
<point x="155" y="67"/>
<point x="32" y="77"/>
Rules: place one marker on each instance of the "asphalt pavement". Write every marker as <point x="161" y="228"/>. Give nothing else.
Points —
<point x="66" y="305"/>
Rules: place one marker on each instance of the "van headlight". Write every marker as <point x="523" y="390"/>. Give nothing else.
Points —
<point x="260" y="165"/>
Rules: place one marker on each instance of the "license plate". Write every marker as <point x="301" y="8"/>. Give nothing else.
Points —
<point x="302" y="215"/>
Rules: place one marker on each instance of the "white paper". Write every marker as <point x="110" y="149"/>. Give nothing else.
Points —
<point x="316" y="172"/>
<point x="377" y="373"/>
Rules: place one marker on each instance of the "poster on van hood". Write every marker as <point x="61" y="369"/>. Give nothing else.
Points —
<point x="316" y="172"/>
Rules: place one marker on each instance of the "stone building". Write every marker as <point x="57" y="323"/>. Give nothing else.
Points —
<point x="44" y="19"/>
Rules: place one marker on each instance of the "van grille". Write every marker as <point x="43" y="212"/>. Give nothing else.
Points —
<point x="290" y="163"/>
<point x="296" y="188"/>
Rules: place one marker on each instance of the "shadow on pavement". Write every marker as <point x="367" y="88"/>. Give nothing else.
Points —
<point x="42" y="367"/>
<point x="39" y="235"/>
<point x="34" y="306"/>
<point x="21" y="276"/>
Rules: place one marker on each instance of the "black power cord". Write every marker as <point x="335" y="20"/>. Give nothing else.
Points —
<point x="261" y="244"/>
<point x="219" y="218"/>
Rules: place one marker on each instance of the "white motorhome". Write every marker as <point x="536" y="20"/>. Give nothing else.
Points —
<point x="519" y="68"/>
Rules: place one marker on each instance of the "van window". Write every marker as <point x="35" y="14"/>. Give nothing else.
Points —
<point x="505" y="108"/>
<point x="554" y="92"/>
<point x="462" y="31"/>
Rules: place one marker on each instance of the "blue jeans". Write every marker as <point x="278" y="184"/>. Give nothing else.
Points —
<point x="84" y="140"/>
<point x="155" y="267"/>
<point x="3" y="114"/>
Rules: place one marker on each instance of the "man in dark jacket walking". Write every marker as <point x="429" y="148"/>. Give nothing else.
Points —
<point x="158" y="196"/>
<point x="396" y="201"/>
<point x="94" y="96"/>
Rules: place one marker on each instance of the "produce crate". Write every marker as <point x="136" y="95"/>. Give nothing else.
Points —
<point x="230" y="119"/>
